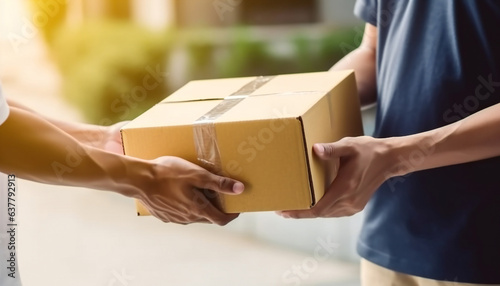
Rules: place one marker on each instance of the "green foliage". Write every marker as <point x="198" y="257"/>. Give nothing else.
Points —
<point x="335" y="46"/>
<point x="305" y="55"/>
<point x="321" y="54"/>
<point x="245" y="56"/>
<point x="104" y="64"/>
<point x="107" y="69"/>
<point x="201" y="62"/>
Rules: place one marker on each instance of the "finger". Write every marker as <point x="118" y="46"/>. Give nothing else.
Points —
<point x="159" y="216"/>
<point x="214" y="215"/>
<point x="195" y="220"/>
<point x="328" y="151"/>
<point x="325" y="207"/>
<point x="179" y="214"/>
<point x="220" y="218"/>
<point x="222" y="184"/>
<point x="342" y="212"/>
<point x="297" y="214"/>
<point x="203" y="220"/>
<point x="334" y="193"/>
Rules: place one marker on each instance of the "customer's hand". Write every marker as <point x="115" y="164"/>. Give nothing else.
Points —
<point x="176" y="192"/>
<point x="170" y="187"/>
<point x="364" y="165"/>
<point x="112" y="139"/>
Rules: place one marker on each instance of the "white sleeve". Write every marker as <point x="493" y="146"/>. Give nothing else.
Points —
<point x="4" y="108"/>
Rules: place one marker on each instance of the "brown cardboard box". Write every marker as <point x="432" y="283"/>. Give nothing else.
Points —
<point x="261" y="133"/>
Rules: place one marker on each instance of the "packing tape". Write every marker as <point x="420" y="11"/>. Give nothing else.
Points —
<point x="204" y="134"/>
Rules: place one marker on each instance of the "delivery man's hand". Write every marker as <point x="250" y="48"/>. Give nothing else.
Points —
<point x="364" y="163"/>
<point x="176" y="193"/>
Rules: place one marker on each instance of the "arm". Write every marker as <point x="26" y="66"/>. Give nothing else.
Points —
<point x="367" y="162"/>
<point x="35" y="149"/>
<point x="473" y="138"/>
<point x="363" y="61"/>
<point x="103" y="137"/>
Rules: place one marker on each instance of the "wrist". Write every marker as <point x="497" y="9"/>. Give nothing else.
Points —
<point x="125" y="175"/>
<point x="93" y="135"/>
<point x="409" y="154"/>
<point x="138" y="177"/>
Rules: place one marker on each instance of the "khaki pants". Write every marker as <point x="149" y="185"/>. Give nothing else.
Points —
<point x="374" y="275"/>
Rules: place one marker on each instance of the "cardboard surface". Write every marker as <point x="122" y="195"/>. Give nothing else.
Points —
<point x="265" y="140"/>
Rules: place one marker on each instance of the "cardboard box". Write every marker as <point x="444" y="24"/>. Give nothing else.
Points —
<point x="259" y="130"/>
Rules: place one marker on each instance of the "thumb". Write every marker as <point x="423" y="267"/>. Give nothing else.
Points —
<point x="328" y="151"/>
<point x="225" y="185"/>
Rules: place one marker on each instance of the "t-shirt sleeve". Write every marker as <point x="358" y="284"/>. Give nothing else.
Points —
<point x="367" y="11"/>
<point x="4" y="108"/>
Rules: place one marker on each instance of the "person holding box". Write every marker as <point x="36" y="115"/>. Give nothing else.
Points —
<point x="430" y="170"/>
<point x="71" y="154"/>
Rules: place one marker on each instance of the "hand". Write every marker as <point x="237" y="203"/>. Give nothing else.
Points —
<point x="112" y="139"/>
<point x="107" y="138"/>
<point x="364" y="162"/>
<point x="176" y="193"/>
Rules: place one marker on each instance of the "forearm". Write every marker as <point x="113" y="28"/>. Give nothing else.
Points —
<point x="362" y="61"/>
<point x="35" y="149"/>
<point x="86" y="133"/>
<point x="473" y="138"/>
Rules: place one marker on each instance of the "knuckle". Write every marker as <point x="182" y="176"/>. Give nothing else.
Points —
<point x="316" y="212"/>
<point x="346" y="140"/>
<point x="218" y="220"/>
<point x="352" y="206"/>
<point x="351" y="203"/>
<point x="329" y="150"/>
<point x="352" y="212"/>
<point x="198" y="211"/>
<point x="351" y="185"/>
<point x="193" y="217"/>
<point x="163" y="218"/>
<point x="223" y="222"/>
<point x="360" y="206"/>
<point x="222" y="181"/>
<point x="357" y="208"/>
<point x="205" y="178"/>
<point x="349" y="142"/>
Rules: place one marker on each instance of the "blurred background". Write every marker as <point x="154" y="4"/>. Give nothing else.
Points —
<point x="86" y="60"/>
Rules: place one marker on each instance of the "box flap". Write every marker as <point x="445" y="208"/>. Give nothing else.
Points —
<point x="208" y="89"/>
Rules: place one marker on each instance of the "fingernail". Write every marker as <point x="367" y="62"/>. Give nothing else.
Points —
<point x="238" y="188"/>
<point x="319" y="149"/>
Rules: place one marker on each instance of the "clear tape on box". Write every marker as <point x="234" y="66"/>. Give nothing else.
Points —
<point x="204" y="132"/>
<point x="205" y="137"/>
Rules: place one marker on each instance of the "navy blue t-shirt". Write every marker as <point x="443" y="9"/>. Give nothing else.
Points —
<point x="438" y="61"/>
